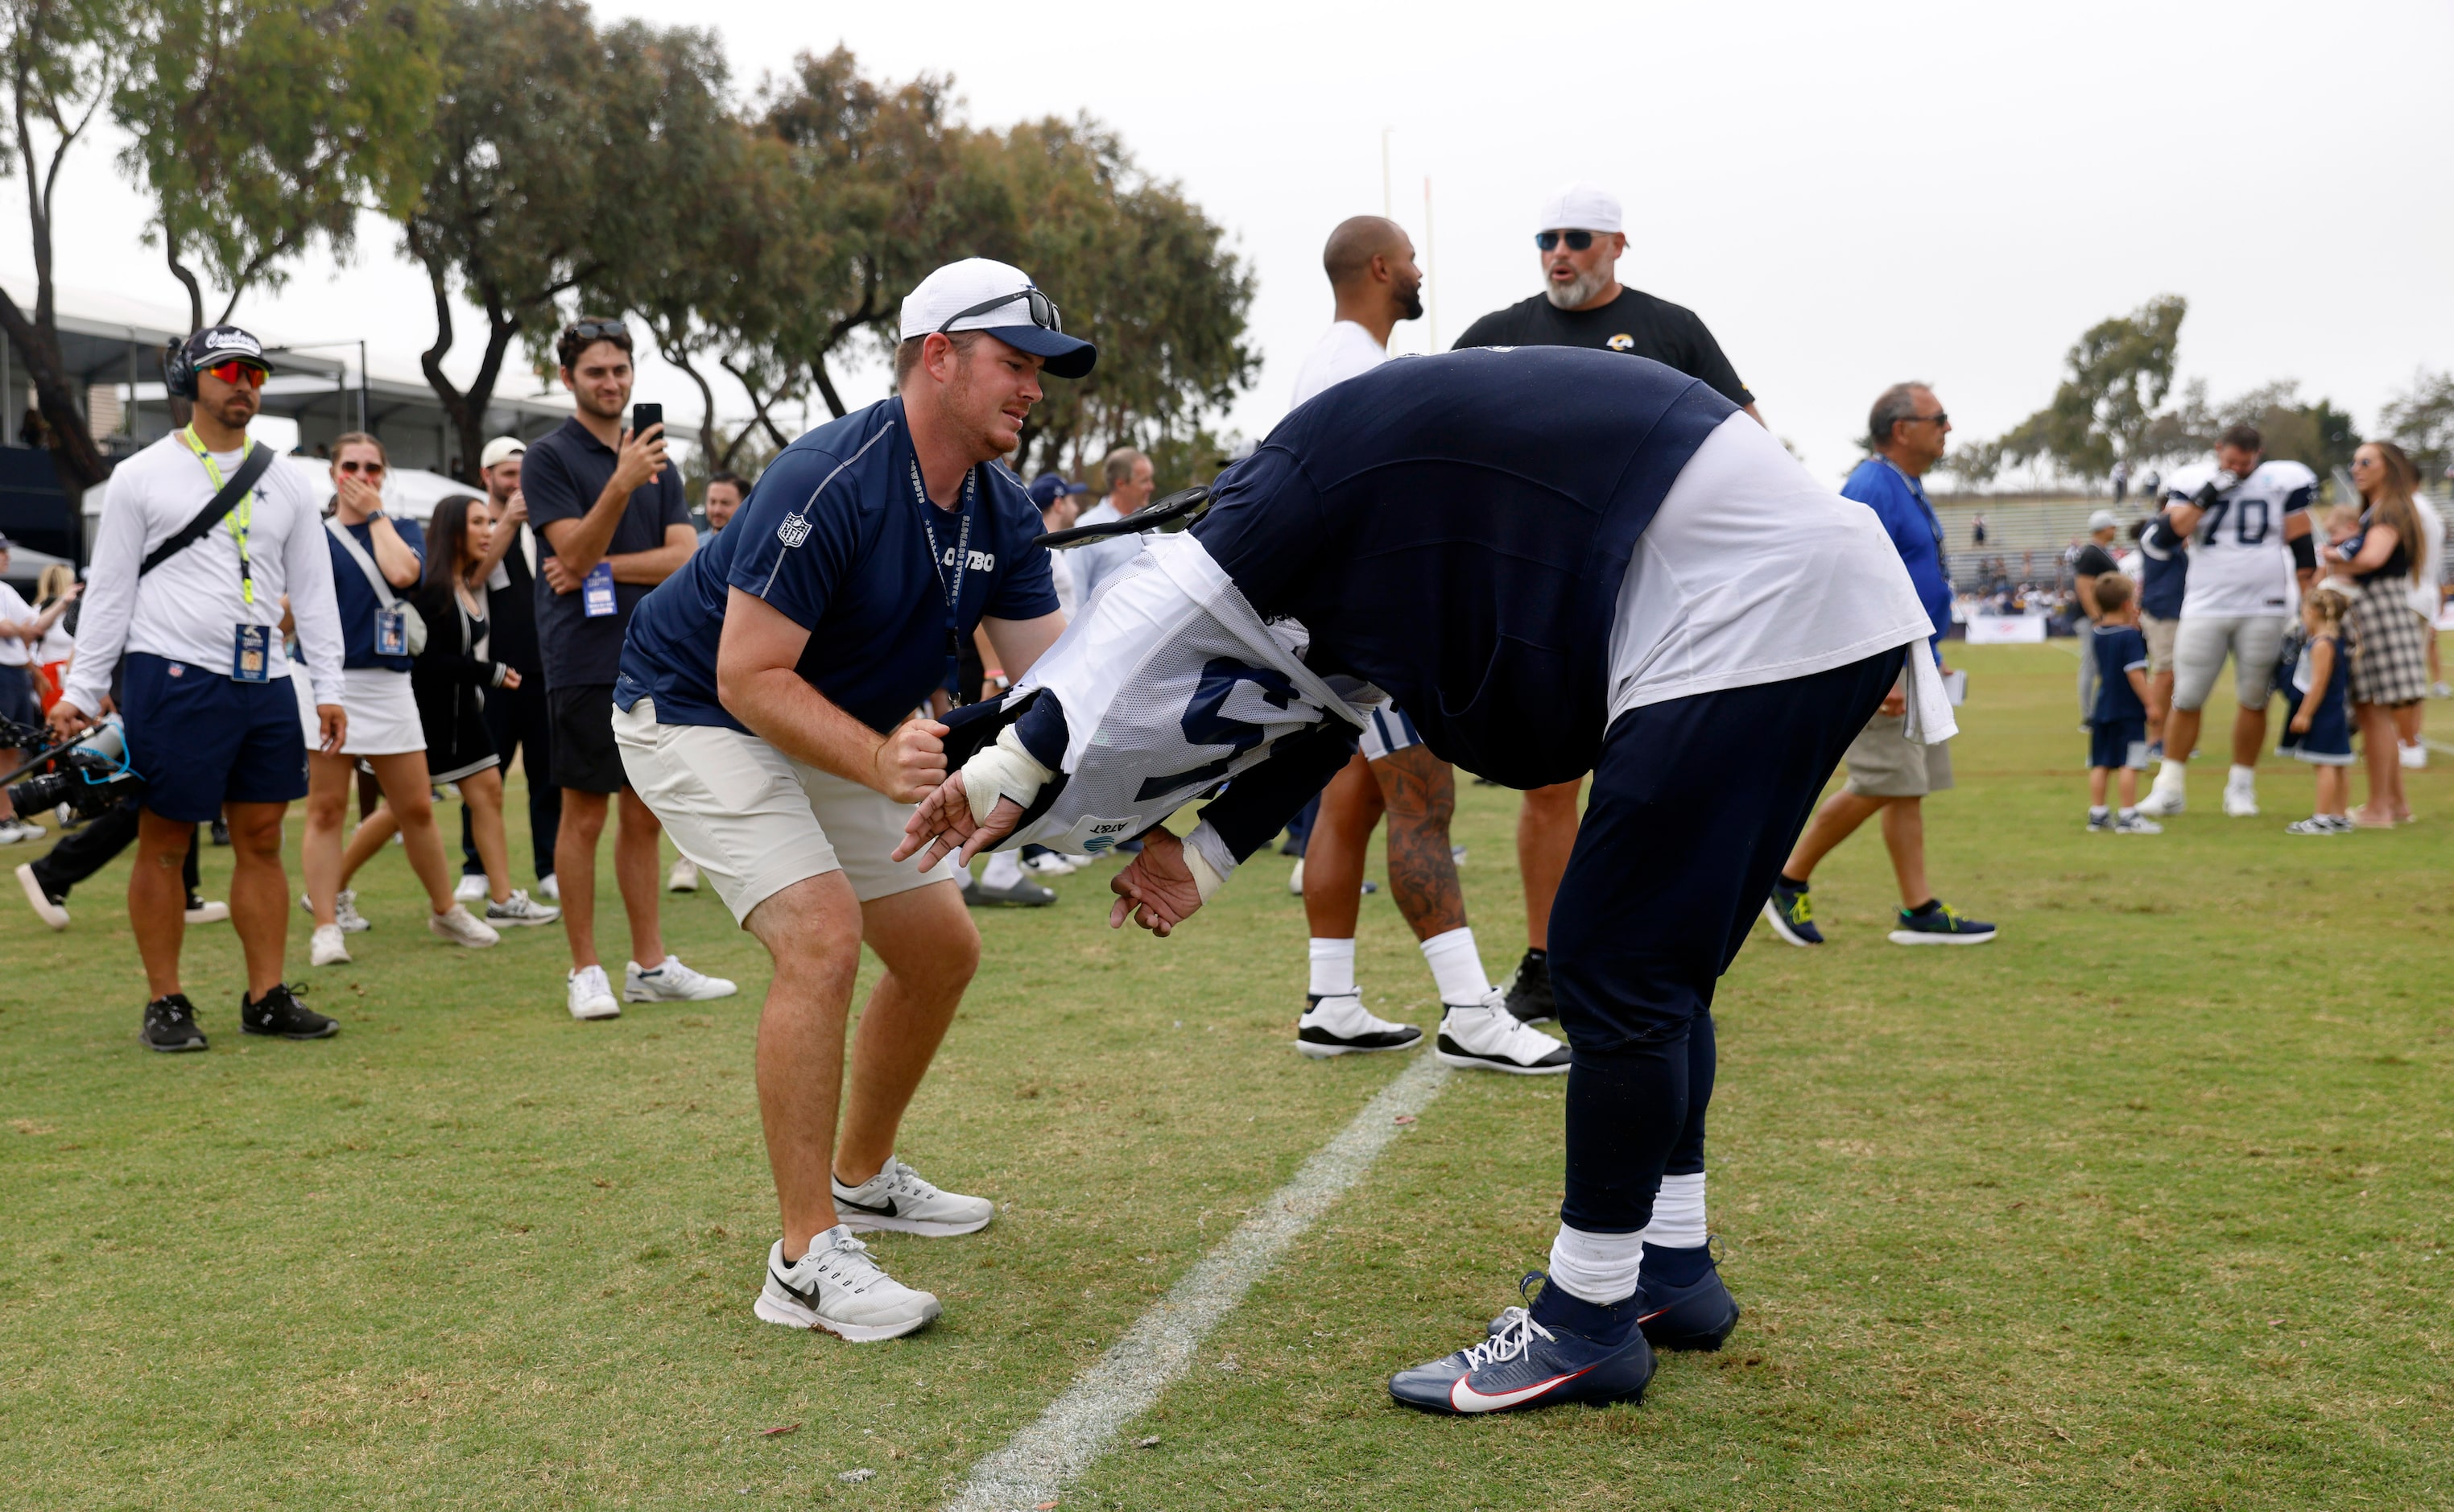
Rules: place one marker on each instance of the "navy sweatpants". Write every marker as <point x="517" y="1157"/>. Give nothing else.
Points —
<point x="1696" y="804"/>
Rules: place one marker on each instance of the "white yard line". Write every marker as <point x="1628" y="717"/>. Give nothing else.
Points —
<point x="1083" y="1423"/>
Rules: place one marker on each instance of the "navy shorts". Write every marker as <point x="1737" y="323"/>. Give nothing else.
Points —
<point x="2117" y="743"/>
<point x="17" y="701"/>
<point x="200" y="739"/>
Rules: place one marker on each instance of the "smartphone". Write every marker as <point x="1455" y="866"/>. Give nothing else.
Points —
<point x="644" y="415"/>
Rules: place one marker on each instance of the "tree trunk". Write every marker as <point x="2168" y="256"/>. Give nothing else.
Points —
<point x="826" y="383"/>
<point x="81" y="463"/>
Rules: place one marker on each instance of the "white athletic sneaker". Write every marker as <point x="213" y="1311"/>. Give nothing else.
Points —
<point x="549" y="889"/>
<point x="896" y="1198"/>
<point x="1342" y="1026"/>
<point x="672" y="981"/>
<point x="327" y="947"/>
<point x="1295" y="879"/>
<point x="13" y="830"/>
<point x="2162" y="802"/>
<point x="2411" y="753"/>
<point x="46" y="907"/>
<point x="2241" y="802"/>
<point x="838" y="1287"/>
<point x="519" y="910"/>
<point x="1486" y="1037"/>
<point x="591" y="995"/>
<point x="461" y="927"/>
<point x="345" y="911"/>
<point x="201" y="912"/>
<point x="1051" y="863"/>
<point x="470" y="889"/>
<point x="683" y="878"/>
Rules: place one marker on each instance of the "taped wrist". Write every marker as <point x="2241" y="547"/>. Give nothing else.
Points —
<point x="2305" y="552"/>
<point x="1004" y="770"/>
<point x="1208" y="859"/>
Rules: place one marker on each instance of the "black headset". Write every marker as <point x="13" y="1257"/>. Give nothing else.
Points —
<point x="179" y="371"/>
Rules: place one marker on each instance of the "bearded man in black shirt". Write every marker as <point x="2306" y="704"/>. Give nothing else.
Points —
<point x="1584" y="304"/>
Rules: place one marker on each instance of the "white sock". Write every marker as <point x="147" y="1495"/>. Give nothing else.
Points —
<point x="2242" y="776"/>
<point x="1333" y="968"/>
<point x="2170" y="773"/>
<point x="1004" y="870"/>
<point x="1599" y="1268"/>
<point x="1677" y="1214"/>
<point x="1457" y="966"/>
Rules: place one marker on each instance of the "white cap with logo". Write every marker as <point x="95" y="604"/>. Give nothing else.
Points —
<point x="980" y="294"/>
<point x="501" y="448"/>
<point x="1580" y="207"/>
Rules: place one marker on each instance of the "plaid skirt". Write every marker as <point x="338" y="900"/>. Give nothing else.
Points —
<point x="2389" y="644"/>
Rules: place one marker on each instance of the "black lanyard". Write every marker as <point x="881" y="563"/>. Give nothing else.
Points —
<point x="951" y="591"/>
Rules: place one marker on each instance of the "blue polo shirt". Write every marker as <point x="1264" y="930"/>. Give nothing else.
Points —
<point x="835" y="536"/>
<point x="1899" y="501"/>
<point x="354" y="597"/>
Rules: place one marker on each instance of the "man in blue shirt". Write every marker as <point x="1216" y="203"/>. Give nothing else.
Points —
<point x="1888" y="773"/>
<point x="773" y="709"/>
<point x="2162" y="580"/>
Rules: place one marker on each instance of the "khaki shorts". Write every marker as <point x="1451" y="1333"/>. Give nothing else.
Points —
<point x="755" y="821"/>
<point x="1885" y="763"/>
<point x="2160" y="642"/>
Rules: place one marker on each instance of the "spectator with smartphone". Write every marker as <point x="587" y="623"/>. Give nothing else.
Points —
<point x="613" y="523"/>
<point x="515" y="714"/>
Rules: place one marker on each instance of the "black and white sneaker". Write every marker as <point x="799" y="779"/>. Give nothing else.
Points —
<point x="897" y="1200"/>
<point x="1529" y="991"/>
<point x="838" y="1287"/>
<point x="1486" y="1037"/>
<point x="1342" y="1026"/>
<point x="171" y="1025"/>
<point x="280" y="1013"/>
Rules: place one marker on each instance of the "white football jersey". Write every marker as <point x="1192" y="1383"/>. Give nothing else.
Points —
<point x="2238" y="563"/>
<point x="1177" y="685"/>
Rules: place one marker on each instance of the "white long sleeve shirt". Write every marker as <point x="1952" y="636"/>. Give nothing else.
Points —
<point x="189" y="608"/>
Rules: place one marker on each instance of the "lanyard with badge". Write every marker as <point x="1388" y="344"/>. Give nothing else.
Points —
<point x="250" y="645"/>
<point x="952" y="592"/>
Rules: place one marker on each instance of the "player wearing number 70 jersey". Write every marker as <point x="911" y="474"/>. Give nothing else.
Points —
<point x="2247" y="524"/>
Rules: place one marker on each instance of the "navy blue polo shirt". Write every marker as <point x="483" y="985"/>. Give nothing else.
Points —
<point x="356" y="597"/>
<point x="562" y="475"/>
<point x="2163" y="584"/>
<point x="833" y="535"/>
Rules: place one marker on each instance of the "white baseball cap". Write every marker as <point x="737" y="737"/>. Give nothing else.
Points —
<point x="980" y="294"/>
<point x="501" y="448"/>
<point x="2102" y="520"/>
<point x="1580" y="207"/>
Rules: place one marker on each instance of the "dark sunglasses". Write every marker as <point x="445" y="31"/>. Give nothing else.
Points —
<point x="353" y="469"/>
<point x="243" y="374"/>
<point x="1938" y="417"/>
<point x="1578" y="240"/>
<point x="1043" y="311"/>
<point x="600" y="330"/>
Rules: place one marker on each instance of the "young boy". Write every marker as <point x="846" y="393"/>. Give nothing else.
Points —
<point x="2118" y="725"/>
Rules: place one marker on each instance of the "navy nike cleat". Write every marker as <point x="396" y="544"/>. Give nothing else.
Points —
<point x="1696" y="1316"/>
<point x="1531" y="1362"/>
<point x="1791" y="916"/>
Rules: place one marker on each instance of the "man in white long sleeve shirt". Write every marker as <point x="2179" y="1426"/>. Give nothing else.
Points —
<point x="187" y="638"/>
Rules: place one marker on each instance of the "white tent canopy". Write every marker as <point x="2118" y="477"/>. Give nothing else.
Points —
<point x="408" y="493"/>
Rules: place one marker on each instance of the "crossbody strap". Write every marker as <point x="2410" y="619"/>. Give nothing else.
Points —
<point x="366" y="563"/>
<point x="258" y="458"/>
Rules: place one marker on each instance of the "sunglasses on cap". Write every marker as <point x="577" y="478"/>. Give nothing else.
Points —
<point x="1043" y="311"/>
<point x="1576" y="240"/>
<point x="600" y="330"/>
<point x="238" y="375"/>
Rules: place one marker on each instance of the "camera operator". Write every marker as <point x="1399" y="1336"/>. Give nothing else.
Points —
<point x="201" y="539"/>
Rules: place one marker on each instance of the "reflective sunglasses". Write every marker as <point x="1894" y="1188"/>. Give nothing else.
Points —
<point x="353" y="469"/>
<point x="1043" y="311"/>
<point x="600" y="330"/>
<point x="238" y="375"/>
<point x="1578" y="240"/>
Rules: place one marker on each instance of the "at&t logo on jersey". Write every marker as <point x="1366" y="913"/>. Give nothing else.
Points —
<point x="795" y="530"/>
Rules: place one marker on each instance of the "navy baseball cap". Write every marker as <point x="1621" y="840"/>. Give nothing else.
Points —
<point x="1049" y="487"/>
<point x="980" y="294"/>
<point x="219" y="344"/>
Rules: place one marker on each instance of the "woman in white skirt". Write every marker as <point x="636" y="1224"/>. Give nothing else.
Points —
<point x="376" y="564"/>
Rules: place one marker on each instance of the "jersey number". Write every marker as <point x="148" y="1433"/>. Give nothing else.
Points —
<point x="2242" y="529"/>
<point x="1205" y="723"/>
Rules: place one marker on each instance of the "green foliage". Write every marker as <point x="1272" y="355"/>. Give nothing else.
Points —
<point x="2420" y="420"/>
<point x="260" y="127"/>
<point x="2114" y="378"/>
<point x="2314" y="432"/>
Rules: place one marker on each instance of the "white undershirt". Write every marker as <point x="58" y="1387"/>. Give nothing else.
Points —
<point x="16" y="611"/>
<point x="1345" y="350"/>
<point x="1752" y="572"/>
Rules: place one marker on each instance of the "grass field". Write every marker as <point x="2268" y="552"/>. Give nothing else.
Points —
<point x="2144" y="1205"/>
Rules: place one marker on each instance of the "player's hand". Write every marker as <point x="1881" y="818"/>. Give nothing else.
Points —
<point x="558" y="577"/>
<point x="67" y="719"/>
<point x="1157" y="889"/>
<point x="642" y="458"/>
<point x="910" y="764"/>
<point x="1896" y="702"/>
<point x="331" y="728"/>
<point x="943" y="821"/>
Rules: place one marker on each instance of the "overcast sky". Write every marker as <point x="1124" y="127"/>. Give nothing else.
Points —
<point x="1848" y="193"/>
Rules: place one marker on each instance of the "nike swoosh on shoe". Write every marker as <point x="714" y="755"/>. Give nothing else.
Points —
<point x="1465" y="1399"/>
<point x="888" y="1211"/>
<point x="807" y="1297"/>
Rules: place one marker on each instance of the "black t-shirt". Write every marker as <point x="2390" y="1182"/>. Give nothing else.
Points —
<point x="2093" y="561"/>
<point x="562" y="475"/>
<point x="1635" y="323"/>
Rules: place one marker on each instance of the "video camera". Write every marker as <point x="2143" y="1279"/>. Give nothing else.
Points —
<point x="88" y="773"/>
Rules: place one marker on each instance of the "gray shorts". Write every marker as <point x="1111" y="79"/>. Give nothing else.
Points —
<point x="2203" y="641"/>
<point x="1885" y="763"/>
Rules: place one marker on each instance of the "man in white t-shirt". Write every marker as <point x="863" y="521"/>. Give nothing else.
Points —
<point x="1372" y="277"/>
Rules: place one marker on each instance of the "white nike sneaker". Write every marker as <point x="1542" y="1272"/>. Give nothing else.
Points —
<point x="549" y="889"/>
<point x="461" y="927"/>
<point x="1342" y="1026"/>
<point x="518" y="911"/>
<point x="470" y="889"/>
<point x="2239" y="802"/>
<point x="672" y="981"/>
<point x="2162" y="802"/>
<point x="591" y="995"/>
<point x="327" y="947"/>
<point x="204" y="911"/>
<point x="896" y="1198"/>
<point x="345" y="913"/>
<point x="838" y="1287"/>
<point x="1486" y="1037"/>
<point x="1050" y="863"/>
<point x="683" y="878"/>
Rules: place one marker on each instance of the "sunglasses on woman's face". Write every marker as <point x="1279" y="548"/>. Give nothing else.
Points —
<point x="354" y="469"/>
<point x="1576" y="240"/>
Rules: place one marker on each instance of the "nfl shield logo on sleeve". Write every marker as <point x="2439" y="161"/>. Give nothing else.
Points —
<point x="795" y="530"/>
